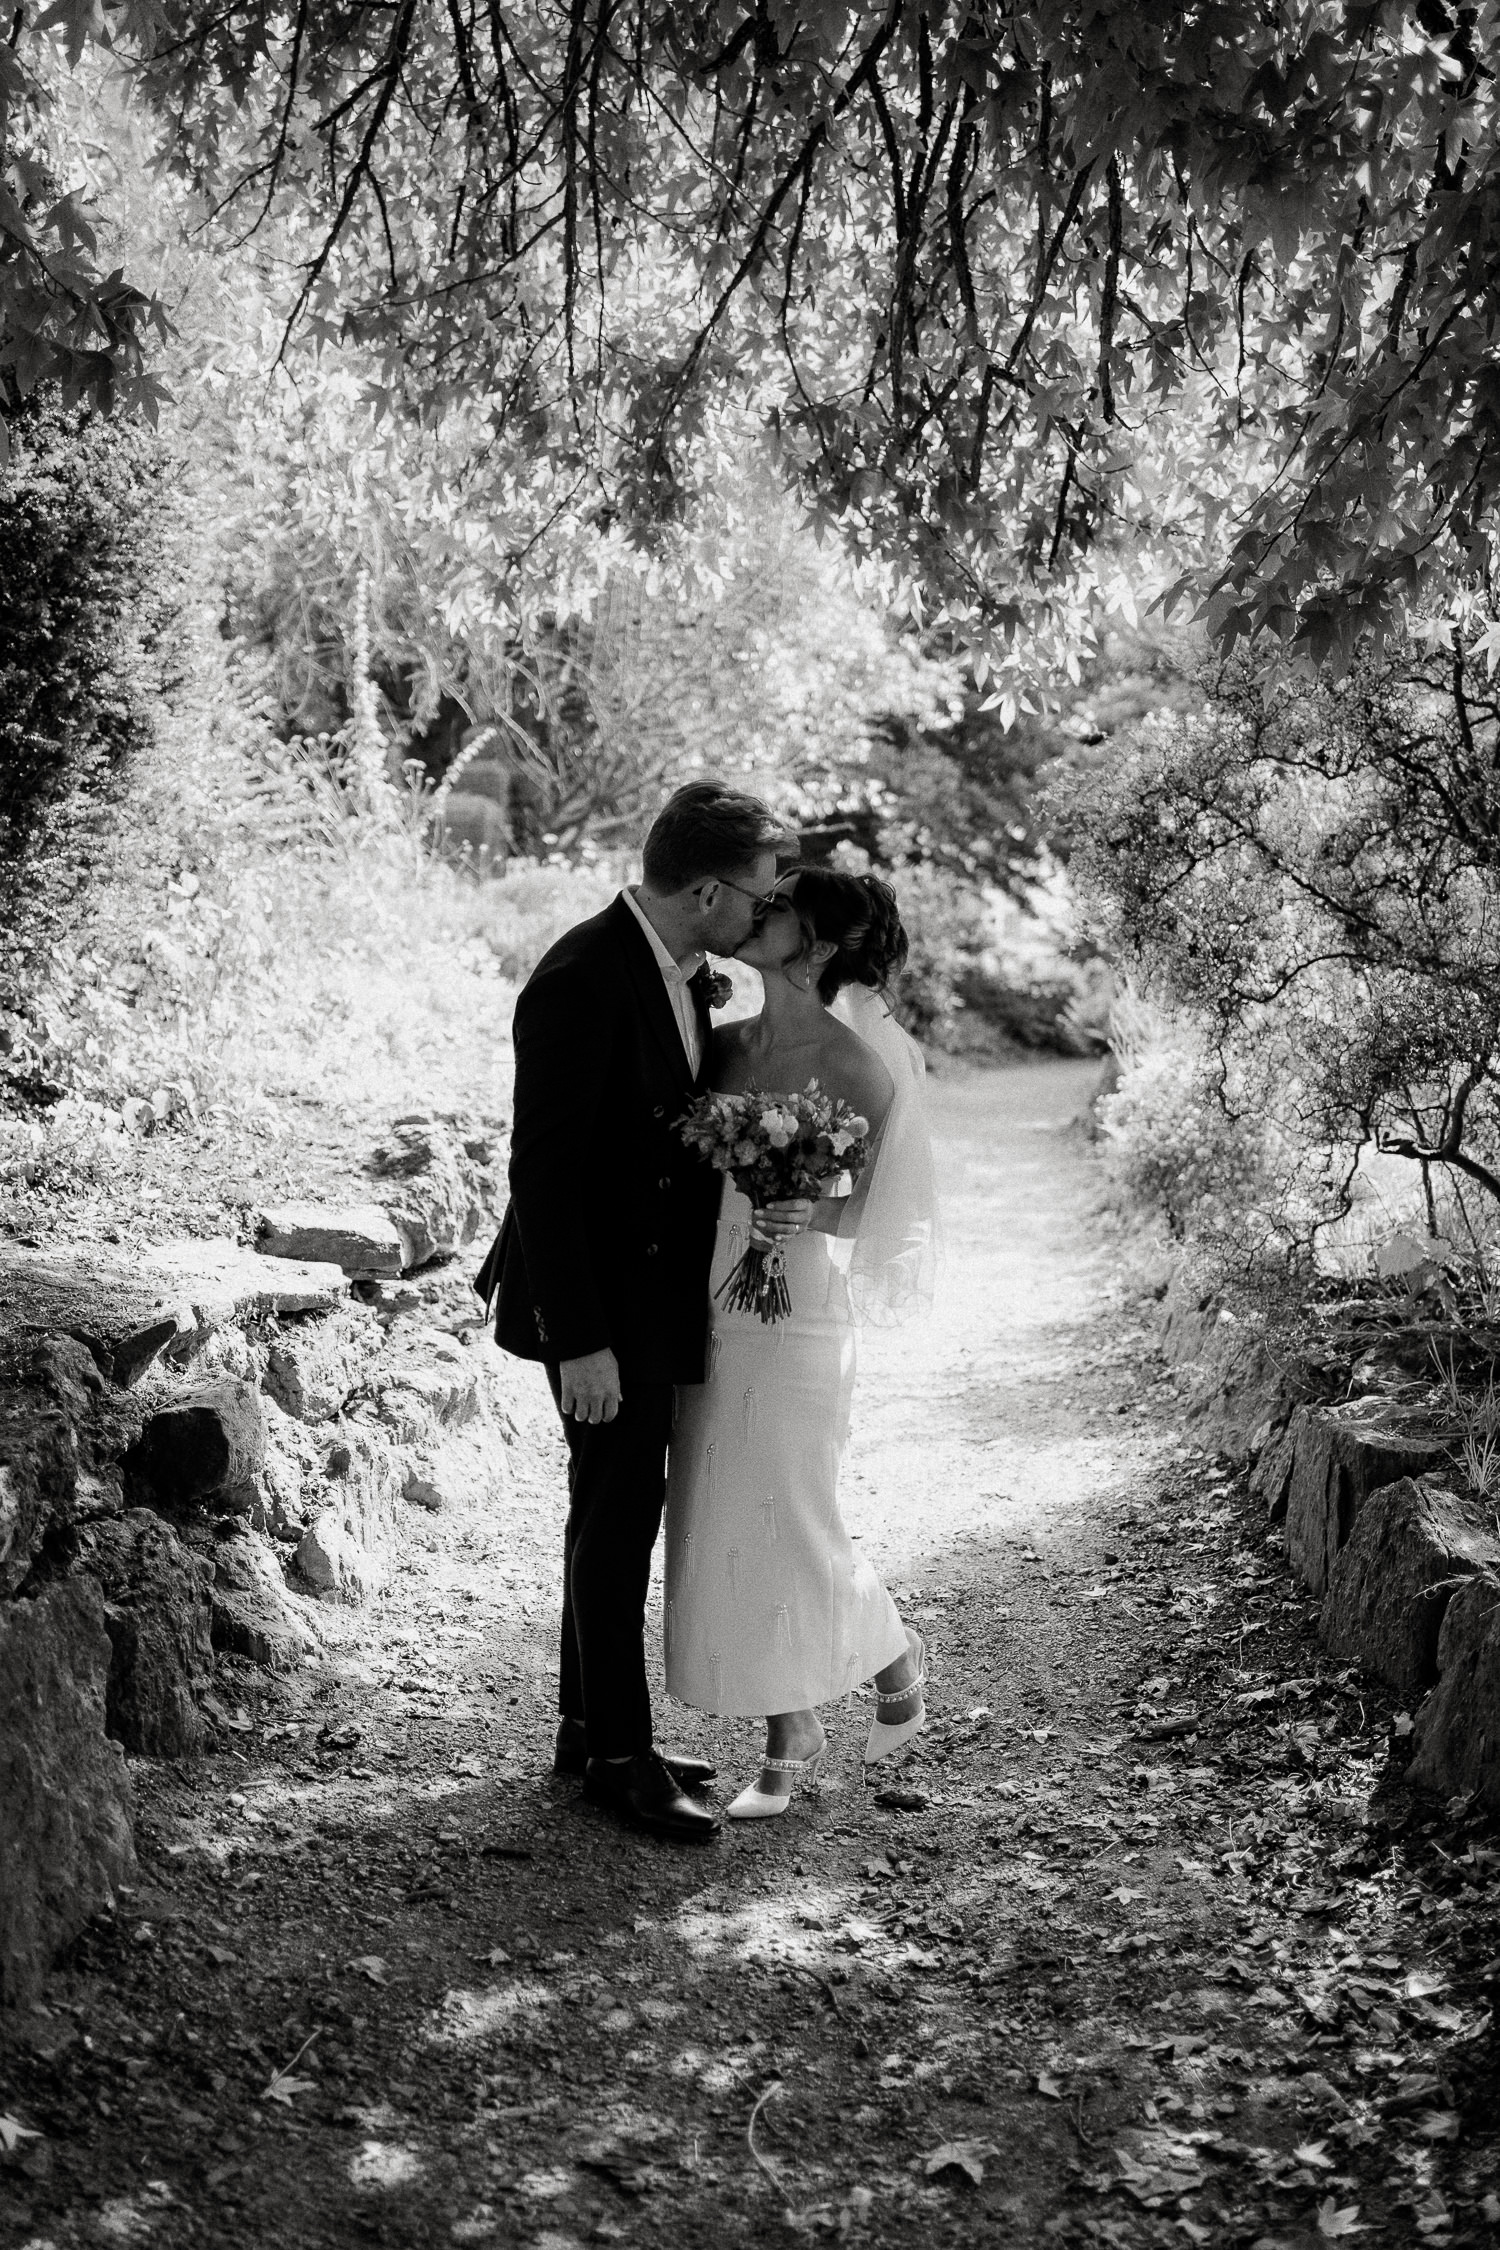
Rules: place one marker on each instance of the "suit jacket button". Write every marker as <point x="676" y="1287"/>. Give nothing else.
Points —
<point x="658" y="1111"/>
<point x="651" y="1249"/>
<point x="664" y="1181"/>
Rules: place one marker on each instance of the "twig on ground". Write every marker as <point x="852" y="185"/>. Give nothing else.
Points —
<point x="1076" y="2121"/>
<point x="764" y="2162"/>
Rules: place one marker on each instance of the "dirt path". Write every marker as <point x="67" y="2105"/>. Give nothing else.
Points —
<point x="1141" y="1946"/>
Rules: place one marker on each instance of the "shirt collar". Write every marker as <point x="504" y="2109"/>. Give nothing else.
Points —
<point x="664" y="960"/>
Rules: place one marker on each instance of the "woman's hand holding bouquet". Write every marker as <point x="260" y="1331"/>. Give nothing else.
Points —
<point x="776" y="1148"/>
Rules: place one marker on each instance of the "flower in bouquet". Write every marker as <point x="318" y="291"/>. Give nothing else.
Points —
<point x="775" y="1147"/>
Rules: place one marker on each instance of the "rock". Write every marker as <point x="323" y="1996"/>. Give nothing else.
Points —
<point x="255" y="1612"/>
<point x="345" y="1552"/>
<point x="157" y="1614"/>
<point x="1272" y="1480"/>
<point x="139" y="1117"/>
<point x="358" y="1238"/>
<point x="63" y="1429"/>
<point x="65" y="1805"/>
<point x="1240" y="1396"/>
<point x="313" y="1369"/>
<point x="1457" y="1735"/>
<point x="438" y="1183"/>
<point x="458" y="1474"/>
<point x="204" y="1448"/>
<point x="224" y="1284"/>
<point x="1337" y="1464"/>
<point x="289" y="1486"/>
<point x="471" y="828"/>
<point x="125" y="1313"/>
<point x="433" y="1384"/>
<point x="1189" y="1311"/>
<point x="1391" y="1582"/>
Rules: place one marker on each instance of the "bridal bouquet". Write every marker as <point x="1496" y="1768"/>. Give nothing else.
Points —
<point x="774" y="1147"/>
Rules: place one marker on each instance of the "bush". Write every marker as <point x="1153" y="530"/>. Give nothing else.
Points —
<point x="85" y="576"/>
<point x="1170" y="1146"/>
<point x="1311" y="874"/>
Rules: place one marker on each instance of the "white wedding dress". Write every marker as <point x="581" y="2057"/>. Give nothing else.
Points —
<point x="769" y="1607"/>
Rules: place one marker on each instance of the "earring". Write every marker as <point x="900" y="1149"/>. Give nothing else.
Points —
<point x="803" y="983"/>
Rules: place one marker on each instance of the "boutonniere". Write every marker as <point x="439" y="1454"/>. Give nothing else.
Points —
<point x="717" y="989"/>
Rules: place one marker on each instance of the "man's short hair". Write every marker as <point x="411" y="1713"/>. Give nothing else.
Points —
<point x="704" y="830"/>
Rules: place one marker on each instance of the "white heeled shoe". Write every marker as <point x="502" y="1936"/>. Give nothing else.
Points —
<point x="884" y="1740"/>
<point x="756" y="1803"/>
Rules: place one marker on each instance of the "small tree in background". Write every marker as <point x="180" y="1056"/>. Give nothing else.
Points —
<point x="1315" y="876"/>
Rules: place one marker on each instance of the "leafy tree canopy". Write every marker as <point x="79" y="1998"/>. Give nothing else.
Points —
<point x="1020" y="286"/>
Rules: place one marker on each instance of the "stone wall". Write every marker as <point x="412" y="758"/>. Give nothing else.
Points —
<point x="200" y="1449"/>
<point x="1408" y="1569"/>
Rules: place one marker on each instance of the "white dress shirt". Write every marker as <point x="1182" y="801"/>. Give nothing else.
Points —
<point x="675" y="979"/>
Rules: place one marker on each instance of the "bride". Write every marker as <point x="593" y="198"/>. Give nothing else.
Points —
<point x="769" y="1611"/>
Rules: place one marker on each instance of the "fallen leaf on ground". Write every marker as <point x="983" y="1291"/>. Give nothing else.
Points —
<point x="1315" y="2152"/>
<point x="960" y="2156"/>
<point x="369" y="1965"/>
<point x="13" y="2132"/>
<point x="1437" y="2125"/>
<point x="283" y="2088"/>
<point x="1050" y="2087"/>
<point x="1333" y="2221"/>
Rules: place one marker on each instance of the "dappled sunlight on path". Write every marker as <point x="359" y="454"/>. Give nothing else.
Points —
<point x="1115" y="1956"/>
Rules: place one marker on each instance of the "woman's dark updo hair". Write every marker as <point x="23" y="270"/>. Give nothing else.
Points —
<point x="858" y="915"/>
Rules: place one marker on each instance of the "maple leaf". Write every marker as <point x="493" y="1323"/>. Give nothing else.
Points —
<point x="1333" y="2221"/>
<point x="1315" y="2153"/>
<point x="13" y="2132"/>
<point x="960" y="2156"/>
<point x="284" y="2088"/>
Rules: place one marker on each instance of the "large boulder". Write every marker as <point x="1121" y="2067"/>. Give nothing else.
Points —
<point x="255" y="1613"/>
<point x="1337" y="1463"/>
<point x="1390" y="1584"/>
<point x="156" y="1612"/>
<point x="65" y="1805"/>
<point x="358" y="1238"/>
<point x="63" y="1430"/>
<point x="1457" y="1738"/>
<point x="126" y="1313"/>
<point x="203" y="1448"/>
<point x="438" y="1183"/>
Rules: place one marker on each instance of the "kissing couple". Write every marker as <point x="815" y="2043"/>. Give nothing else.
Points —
<point x="618" y="1236"/>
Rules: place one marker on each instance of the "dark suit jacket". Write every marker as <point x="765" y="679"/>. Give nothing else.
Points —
<point x="610" y="1232"/>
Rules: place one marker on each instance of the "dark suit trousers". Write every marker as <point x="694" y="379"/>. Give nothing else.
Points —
<point x="617" y="1483"/>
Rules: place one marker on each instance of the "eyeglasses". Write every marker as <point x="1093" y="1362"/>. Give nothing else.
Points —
<point x="765" y="900"/>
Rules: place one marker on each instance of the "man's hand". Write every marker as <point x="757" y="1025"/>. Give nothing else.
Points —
<point x="591" y="1387"/>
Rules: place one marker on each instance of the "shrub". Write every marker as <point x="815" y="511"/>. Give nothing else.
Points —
<point x="85" y="591"/>
<point x="1314" y="875"/>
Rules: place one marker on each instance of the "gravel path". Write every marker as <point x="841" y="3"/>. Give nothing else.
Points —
<point x="1143" y="1944"/>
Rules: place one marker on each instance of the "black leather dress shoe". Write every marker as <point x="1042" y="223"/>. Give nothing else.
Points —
<point x="571" y="1756"/>
<point x="643" y="1792"/>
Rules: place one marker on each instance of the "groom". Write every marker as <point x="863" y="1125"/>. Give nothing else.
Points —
<point x="601" y="1267"/>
